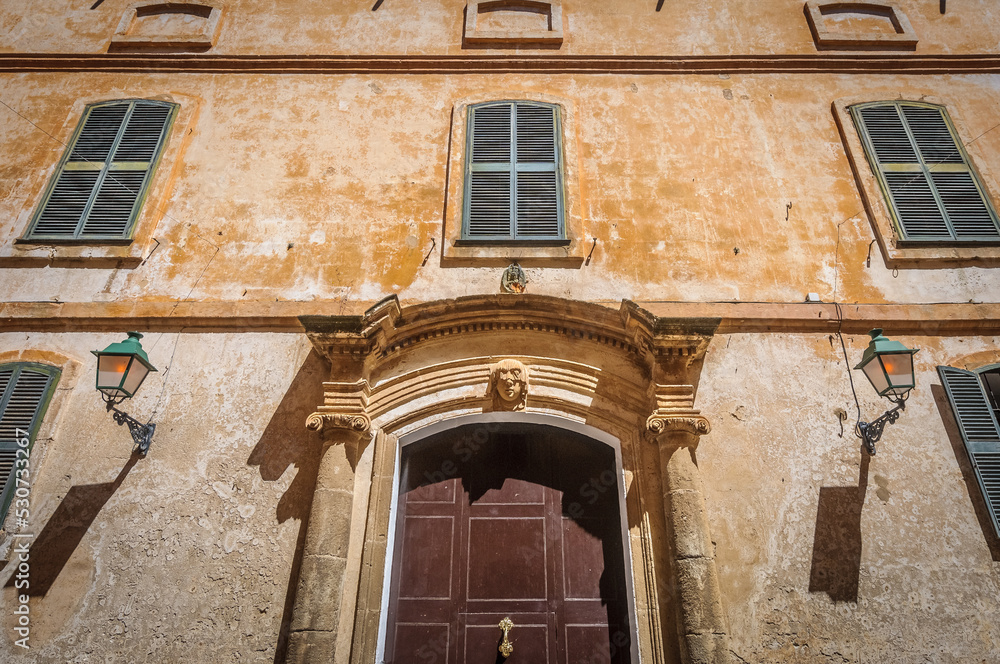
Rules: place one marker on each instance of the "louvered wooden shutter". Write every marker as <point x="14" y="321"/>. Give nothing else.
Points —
<point x="980" y="432"/>
<point x="102" y="180"/>
<point x="24" y="392"/>
<point x="513" y="173"/>
<point x="925" y="173"/>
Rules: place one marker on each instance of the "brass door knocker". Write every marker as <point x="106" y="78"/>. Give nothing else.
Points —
<point x="506" y="647"/>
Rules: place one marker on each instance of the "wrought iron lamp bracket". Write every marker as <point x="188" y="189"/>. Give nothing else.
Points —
<point x="142" y="434"/>
<point x="871" y="432"/>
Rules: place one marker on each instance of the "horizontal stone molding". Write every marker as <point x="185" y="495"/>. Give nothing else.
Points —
<point x="473" y="64"/>
<point x="957" y="319"/>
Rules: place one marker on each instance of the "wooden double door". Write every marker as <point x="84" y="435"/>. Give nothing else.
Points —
<point x="518" y="522"/>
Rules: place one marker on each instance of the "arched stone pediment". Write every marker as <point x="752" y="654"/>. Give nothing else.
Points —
<point x="512" y="23"/>
<point x="400" y="366"/>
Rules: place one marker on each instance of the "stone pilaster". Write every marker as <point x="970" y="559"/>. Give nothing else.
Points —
<point x="321" y="588"/>
<point x="676" y="427"/>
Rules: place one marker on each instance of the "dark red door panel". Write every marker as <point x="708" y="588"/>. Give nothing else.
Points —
<point x="522" y="524"/>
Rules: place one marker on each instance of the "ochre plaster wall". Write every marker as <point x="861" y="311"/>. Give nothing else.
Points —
<point x="333" y="188"/>
<point x="285" y="193"/>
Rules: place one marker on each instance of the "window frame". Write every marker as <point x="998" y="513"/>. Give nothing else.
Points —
<point x="514" y="169"/>
<point x="924" y="169"/>
<point x="903" y="37"/>
<point x="995" y="401"/>
<point x="579" y="236"/>
<point x="7" y="487"/>
<point x="128" y="234"/>
<point x="898" y="253"/>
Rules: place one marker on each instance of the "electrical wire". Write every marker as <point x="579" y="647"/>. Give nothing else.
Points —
<point x="847" y="365"/>
<point x="840" y="321"/>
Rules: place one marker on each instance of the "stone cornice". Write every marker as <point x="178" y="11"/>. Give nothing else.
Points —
<point x="881" y="63"/>
<point x="667" y="338"/>
<point x="386" y="328"/>
<point x="942" y="319"/>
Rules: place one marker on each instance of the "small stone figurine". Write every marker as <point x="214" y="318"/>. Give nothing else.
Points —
<point x="513" y="280"/>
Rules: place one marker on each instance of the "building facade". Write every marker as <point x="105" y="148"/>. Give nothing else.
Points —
<point x="518" y="330"/>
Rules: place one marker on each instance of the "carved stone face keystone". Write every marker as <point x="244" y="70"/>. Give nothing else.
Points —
<point x="508" y="385"/>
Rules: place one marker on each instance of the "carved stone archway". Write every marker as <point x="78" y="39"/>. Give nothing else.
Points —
<point x="396" y="370"/>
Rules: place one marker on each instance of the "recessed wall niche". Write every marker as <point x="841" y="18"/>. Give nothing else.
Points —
<point x="512" y="23"/>
<point x="167" y="27"/>
<point x="865" y="26"/>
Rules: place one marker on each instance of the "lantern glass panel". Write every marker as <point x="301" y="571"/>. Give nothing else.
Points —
<point x="134" y="379"/>
<point x="877" y="377"/>
<point x="111" y="371"/>
<point x="899" y="368"/>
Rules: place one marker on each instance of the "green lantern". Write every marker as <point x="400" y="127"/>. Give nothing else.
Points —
<point x="122" y="367"/>
<point x="888" y="365"/>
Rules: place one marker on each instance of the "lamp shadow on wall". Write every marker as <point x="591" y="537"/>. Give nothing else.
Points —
<point x="836" y="560"/>
<point x="968" y="474"/>
<point x="66" y="527"/>
<point x="286" y="442"/>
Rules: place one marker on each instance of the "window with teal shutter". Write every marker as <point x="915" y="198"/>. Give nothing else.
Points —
<point x="25" y="391"/>
<point x="931" y="189"/>
<point x="975" y="400"/>
<point x="513" y="173"/>
<point x="99" y="187"/>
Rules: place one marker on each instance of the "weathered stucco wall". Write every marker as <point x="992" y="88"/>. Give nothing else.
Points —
<point x="283" y="193"/>
<point x="191" y="549"/>
<point x="185" y="554"/>
<point x="826" y="555"/>
<point x="333" y="188"/>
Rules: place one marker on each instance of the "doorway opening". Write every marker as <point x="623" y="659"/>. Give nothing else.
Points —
<point x="512" y="520"/>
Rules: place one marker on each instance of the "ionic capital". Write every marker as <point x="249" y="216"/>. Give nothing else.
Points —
<point x="660" y="423"/>
<point x="345" y="408"/>
<point x="357" y="422"/>
<point x="675" y="413"/>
